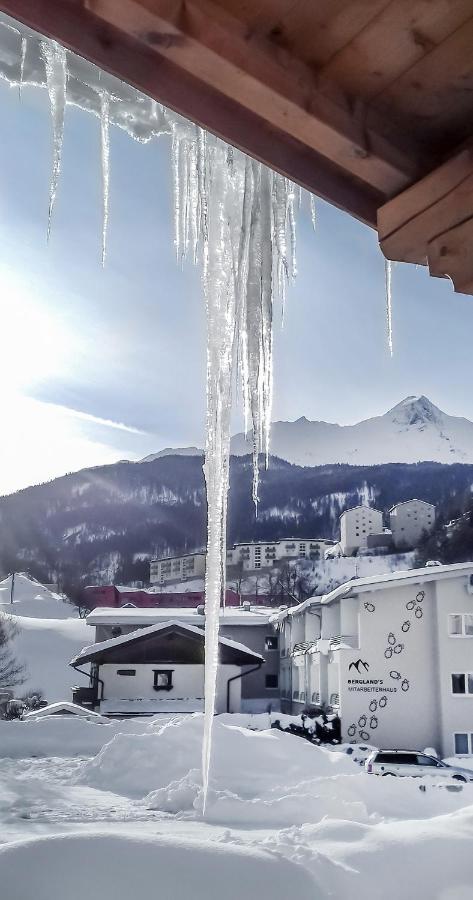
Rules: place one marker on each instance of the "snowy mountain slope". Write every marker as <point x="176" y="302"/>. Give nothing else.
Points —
<point x="413" y="431"/>
<point x="32" y="599"/>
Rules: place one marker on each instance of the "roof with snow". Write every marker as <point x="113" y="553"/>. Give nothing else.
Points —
<point x="412" y="500"/>
<point x="372" y="582"/>
<point x="62" y="708"/>
<point x="239" y="654"/>
<point x="257" y="615"/>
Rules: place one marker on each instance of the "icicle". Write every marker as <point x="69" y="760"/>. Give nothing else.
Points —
<point x="220" y="303"/>
<point x="389" y="317"/>
<point x="24" y="45"/>
<point x="55" y="61"/>
<point x="105" y="156"/>
<point x="313" y="211"/>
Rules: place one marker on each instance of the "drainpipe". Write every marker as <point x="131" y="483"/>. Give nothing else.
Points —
<point x="241" y="675"/>
<point x="92" y="678"/>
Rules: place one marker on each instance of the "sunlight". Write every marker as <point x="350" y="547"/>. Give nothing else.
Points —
<point x="35" y="345"/>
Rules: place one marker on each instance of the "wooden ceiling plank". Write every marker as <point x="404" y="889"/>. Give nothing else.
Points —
<point x="215" y="48"/>
<point x="315" y="32"/>
<point x="439" y="84"/>
<point x="77" y="28"/>
<point x="439" y="202"/>
<point x="401" y="34"/>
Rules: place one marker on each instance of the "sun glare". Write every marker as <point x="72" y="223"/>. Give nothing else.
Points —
<point x="34" y="343"/>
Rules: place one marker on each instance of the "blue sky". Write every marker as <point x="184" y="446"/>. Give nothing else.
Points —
<point x="100" y="365"/>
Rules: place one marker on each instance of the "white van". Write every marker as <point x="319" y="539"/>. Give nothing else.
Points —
<point x="411" y="762"/>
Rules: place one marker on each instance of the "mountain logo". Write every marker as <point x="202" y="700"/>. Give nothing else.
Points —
<point x="356" y="665"/>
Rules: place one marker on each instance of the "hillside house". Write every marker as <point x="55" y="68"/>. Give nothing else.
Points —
<point x="161" y="669"/>
<point x="409" y="521"/>
<point x="355" y="526"/>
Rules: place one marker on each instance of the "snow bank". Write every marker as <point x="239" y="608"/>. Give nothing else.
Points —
<point x="117" y="867"/>
<point x="243" y="761"/>
<point x="64" y="736"/>
<point x="429" y="859"/>
<point x="257" y="779"/>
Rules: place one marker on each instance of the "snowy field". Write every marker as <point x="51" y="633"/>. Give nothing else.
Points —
<point x="113" y="810"/>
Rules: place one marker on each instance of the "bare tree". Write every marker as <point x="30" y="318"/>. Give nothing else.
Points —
<point x="12" y="673"/>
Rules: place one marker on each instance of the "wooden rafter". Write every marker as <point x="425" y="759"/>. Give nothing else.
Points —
<point x="359" y="101"/>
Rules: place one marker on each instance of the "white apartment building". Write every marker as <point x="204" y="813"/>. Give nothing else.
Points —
<point x="263" y="555"/>
<point x="409" y="520"/>
<point x="355" y="526"/>
<point x="392" y="654"/>
<point x="177" y="568"/>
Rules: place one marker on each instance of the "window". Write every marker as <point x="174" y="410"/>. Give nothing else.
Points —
<point x="162" y="679"/>
<point x="295" y="695"/>
<point x="460" y="625"/>
<point x="271" y="642"/>
<point x="462" y="683"/>
<point x="271" y="681"/>
<point x="427" y="761"/>
<point x="455" y="625"/>
<point x="334" y="699"/>
<point x="316" y="697"/>
<point x="126" y="671"/>
<point x="463" y="742"/>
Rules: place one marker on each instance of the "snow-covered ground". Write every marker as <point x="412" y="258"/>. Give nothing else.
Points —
<point x="48" y="634"/>
<point x="283" y="817"/>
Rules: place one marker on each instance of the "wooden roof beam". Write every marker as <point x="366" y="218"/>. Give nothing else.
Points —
<point x="431" y="223"/>
<point x="197" y="59"/>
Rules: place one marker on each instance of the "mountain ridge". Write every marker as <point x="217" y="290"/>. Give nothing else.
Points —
<point x="414" y="430"/>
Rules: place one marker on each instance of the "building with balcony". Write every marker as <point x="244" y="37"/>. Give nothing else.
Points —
<point x="391" y="654"/>
<point x="264" y="555"/>
<point x="170" y="569"/>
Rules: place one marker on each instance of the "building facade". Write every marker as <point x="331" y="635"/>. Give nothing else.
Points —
<point x="392" y="654"/>
<point x="177" y="568"/>
<point x="246" y="625"/>
<point x="265" y="555"/>
<point x="355" y="526"/>
<point x="409" y="521"/>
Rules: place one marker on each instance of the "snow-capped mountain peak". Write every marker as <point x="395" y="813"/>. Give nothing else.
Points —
<point x="414" y="430"/>
<point x="416" y="410"/>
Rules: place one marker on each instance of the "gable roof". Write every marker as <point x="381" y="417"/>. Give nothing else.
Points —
<point x="94" y="652"/>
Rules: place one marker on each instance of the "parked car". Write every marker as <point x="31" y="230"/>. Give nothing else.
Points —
<point x="414" y="763"/>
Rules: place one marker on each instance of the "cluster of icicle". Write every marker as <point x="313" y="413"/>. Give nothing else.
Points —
<point x="237" y="219"/>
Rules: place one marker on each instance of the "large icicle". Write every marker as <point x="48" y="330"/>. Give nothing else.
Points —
<point x="55" y="61"/>
<point x="105" y="159"/>
<point x="241" y="215"/>
<point x="389" y="308"/>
